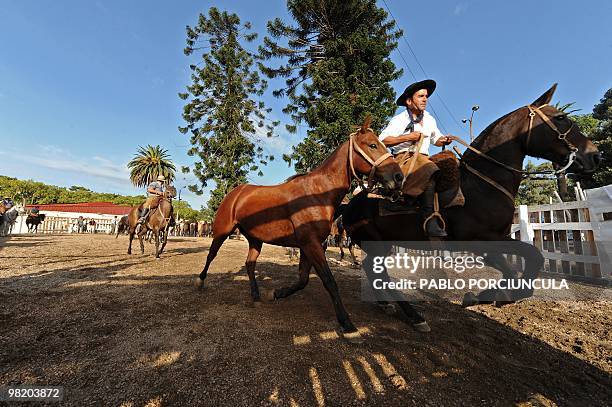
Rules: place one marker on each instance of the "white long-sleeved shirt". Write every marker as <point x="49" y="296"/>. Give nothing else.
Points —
<point x="398" y="125"/>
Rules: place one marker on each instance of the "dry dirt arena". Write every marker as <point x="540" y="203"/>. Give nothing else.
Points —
<point x="121" y="330"/>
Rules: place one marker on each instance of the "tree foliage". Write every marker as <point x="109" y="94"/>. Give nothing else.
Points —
<point x="535" y="191"/>
<point x="337" y="70"/>
<point x="599" y="127"/>
<point x="148" y="163"/>
<point x="225" y="121"/>
<point x="32" y="192"/>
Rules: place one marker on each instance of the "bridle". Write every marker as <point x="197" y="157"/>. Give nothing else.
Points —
<point x="533" y="111"/>
<point x="353" y="146"/>
<point x="561" y="136"/>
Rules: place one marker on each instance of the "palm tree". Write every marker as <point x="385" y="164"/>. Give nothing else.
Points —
<point x="148" y="164"/>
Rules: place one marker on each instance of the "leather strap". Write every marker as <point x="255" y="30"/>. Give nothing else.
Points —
<point x="354" y="147"/>
<point x="490" y="181"/>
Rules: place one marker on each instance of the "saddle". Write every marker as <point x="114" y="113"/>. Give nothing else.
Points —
<point x="448" y="188"/>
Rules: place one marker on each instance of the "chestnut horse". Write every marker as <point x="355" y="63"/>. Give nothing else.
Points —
<point x="299" y="212"/>
<point x="490" y="186"/>
<point x="158" y="222"/>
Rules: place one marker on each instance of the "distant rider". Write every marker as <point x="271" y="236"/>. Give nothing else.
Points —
<point x="156" y="191"/>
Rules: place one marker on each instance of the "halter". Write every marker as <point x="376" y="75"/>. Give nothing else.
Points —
<point x="354" y="147"/>
<point x="533" y="111"/>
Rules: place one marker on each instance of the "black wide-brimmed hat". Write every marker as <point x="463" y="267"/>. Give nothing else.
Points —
<point x="428" y="84"/>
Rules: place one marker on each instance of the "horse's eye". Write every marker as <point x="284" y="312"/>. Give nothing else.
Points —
<point x="561" y="117"/>
<point x="373" y="146"/>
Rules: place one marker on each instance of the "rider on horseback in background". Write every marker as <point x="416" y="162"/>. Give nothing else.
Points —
<point x="35" y="212"/>
<point x="5" y="205"/>
<point x="416" y="128"/>
<point x="156" y="191"/>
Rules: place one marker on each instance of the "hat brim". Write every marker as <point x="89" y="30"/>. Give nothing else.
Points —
<point x="428" y="84"/>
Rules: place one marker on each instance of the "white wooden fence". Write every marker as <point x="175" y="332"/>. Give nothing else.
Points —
<point x="575" y="237"/>
<point x="65" y="222"/>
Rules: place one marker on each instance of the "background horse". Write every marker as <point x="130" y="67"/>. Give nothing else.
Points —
<point x="8" y="219"/>
<point x="158" y="222"/>
<point x="32" y="222"/>
<point x="339" y="236"/>
<point x="538" y="130"/>
<point x="123" y="225"/>
<point x="299" y="212"/>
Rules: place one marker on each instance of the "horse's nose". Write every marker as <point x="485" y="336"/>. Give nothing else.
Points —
<point x="398" y="177"/>
<point x="595" y="159"/>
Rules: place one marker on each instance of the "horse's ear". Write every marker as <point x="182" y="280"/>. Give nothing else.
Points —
<point x="546" y="97"/>
<point x="366" y="124"/>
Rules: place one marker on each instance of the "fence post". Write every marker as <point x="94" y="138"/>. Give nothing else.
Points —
<point x="525" y="226"/>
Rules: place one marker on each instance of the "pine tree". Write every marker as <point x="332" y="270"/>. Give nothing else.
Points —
<point x="225" y="122"/>
<point x="337" y="70"/>
<point x="536" y="191"/>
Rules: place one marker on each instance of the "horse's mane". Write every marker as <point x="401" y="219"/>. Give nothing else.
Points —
<point x="479" y="140"/>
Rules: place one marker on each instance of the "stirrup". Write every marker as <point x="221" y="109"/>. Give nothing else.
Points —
<point x="435" y="214"/>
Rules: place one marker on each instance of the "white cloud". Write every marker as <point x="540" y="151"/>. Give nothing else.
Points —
<point x="57" y="158"/>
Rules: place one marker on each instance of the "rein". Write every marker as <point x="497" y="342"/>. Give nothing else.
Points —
<point x="533" y="111"/>
<point x="354" y="147"/>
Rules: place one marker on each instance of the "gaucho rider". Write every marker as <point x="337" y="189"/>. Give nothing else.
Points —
<point x="5" y="205"/>
<point x="416" y="128"/>
<point x="156" y="191"/>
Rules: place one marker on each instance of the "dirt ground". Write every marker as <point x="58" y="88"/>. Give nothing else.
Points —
<point x="113" y="329"/>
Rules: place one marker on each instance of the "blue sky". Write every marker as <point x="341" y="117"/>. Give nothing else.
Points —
<point x="83" y="83"/>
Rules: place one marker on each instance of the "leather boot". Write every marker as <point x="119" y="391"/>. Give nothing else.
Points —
<point x="143" y="216"/>
<point x="432" y="227"/>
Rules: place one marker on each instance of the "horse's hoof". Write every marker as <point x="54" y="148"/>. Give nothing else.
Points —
<point x="422" y="327"/>
<point x="199" y="283"/>
<point x="469" y="299"/>
<point x="268" y="296"/>
<point x="388" y="309"/>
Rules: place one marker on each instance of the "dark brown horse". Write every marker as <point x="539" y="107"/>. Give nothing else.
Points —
<point x="158" y="222"/>
<point x="122" y="226"/>
<point x="537" y="130"/>
<point x="299" y="212"/>
<point x="32" y="222"/>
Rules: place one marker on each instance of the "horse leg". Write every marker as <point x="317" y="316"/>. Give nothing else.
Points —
<point x="533" y="264"/>
<point x="141" y="234"/>
<point x="132" y="232"/>
<point x="212" y="253"/>
<point x="416" y="320"/>
<point x="351" y="248"/>
<point x="156" y="233"/>
<point x="315" y="253"/>
<point x="254" y="250"/>
<point x="340" y="244"/>
<point x="164" y="240"/>
<point x="304" y="270"/>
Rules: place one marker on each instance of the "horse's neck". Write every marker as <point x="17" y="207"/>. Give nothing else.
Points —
<point x="165" y="207"/>
<point x="504" y="146"/>
<point x="334" y="174"/>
